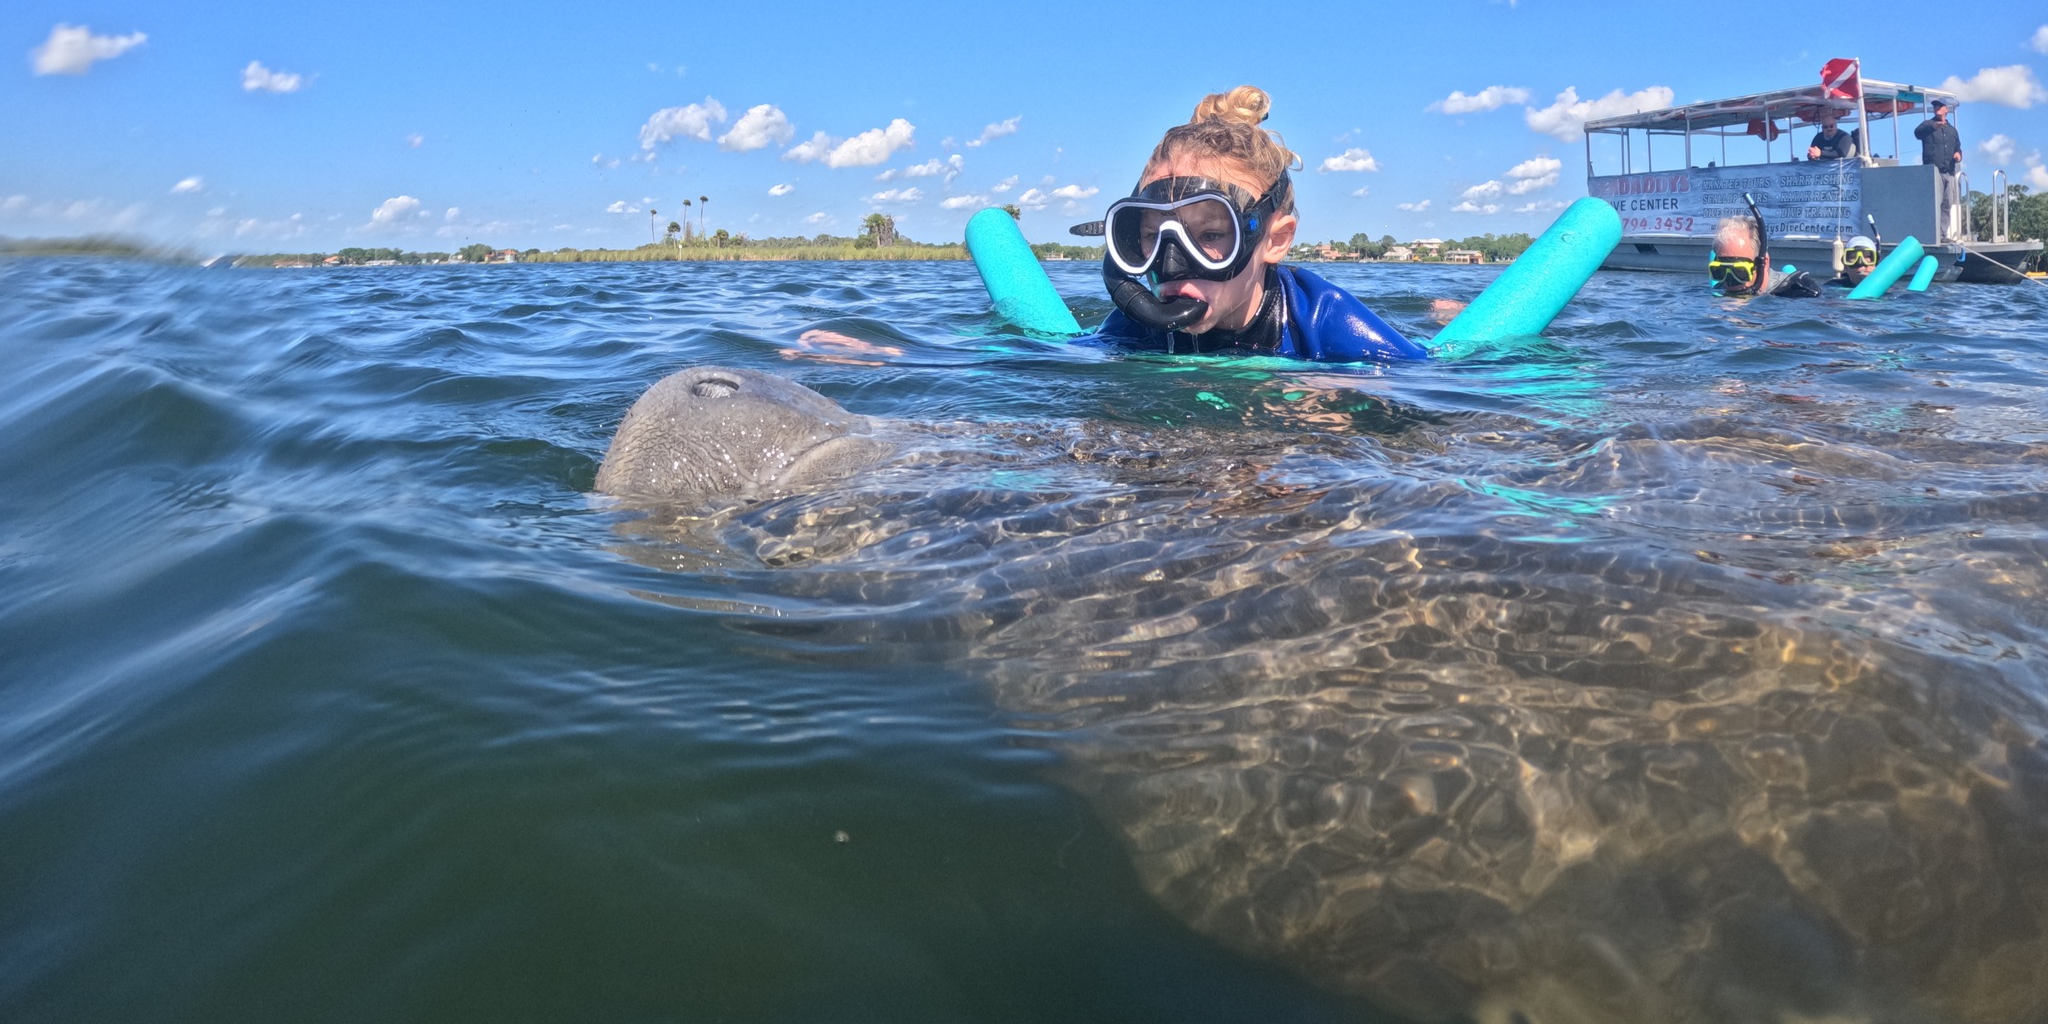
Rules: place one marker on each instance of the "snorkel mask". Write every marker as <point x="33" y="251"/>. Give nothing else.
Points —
<point x="1179" y="229"/>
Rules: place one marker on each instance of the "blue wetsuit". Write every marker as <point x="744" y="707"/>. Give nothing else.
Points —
<point x="1301" y="317"/>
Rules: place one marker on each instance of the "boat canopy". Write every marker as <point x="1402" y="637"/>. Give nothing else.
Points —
<point x="1804" y="104"/>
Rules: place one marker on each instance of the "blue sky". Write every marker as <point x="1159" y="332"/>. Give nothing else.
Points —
<point x="309" y="127"/>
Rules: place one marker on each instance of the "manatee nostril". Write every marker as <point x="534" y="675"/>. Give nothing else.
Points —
<point x="714" y="386"/>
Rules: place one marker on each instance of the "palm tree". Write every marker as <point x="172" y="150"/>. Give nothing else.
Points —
<point x="686" y="220"/>
<point x="650" y="224"/>
<point x="673" y="227"/>
<point x="702" y="201"/>
<point x="881" y="227"/>
<point x="1011" y="209"/>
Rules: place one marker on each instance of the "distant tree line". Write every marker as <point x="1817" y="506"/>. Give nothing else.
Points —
<point x="89" y="245"/>
<point x="1495" y="248"/>
<point x="1054" y="250"/>
<point x="2028" y="213"/>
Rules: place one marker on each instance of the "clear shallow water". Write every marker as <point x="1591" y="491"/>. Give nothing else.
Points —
<point x="1684" y="667"/>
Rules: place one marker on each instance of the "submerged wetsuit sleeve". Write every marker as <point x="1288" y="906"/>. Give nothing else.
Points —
<point x="1329" y="324"/>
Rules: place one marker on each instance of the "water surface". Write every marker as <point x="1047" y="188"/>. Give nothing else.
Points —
<point x="1610" y="674"/>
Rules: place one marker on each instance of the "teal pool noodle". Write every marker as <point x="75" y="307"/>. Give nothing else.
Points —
<point x="1016" y="284"/>
<point x="1889" y="269"/>
<point x="1925" y="275"/>
<point x="1530" y="293"/>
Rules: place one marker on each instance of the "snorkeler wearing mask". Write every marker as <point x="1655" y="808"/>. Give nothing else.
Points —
<point x="1192" y="257"/>
<point x="1858" y="260"/>
<point x="1741" y="261"/>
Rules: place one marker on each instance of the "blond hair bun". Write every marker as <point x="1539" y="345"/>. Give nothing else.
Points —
<point x="1226" y="128"/>
<point x="1246" y="103"/>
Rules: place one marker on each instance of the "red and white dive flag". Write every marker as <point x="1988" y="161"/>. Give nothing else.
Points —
<point x="1839" y="79"/>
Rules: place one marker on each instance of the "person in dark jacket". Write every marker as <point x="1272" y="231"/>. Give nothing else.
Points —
<point x="1942" y="148"/>
<point x="1192" y="259"/>
<point x="1831" y="143"/>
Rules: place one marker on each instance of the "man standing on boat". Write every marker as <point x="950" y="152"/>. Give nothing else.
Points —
<point x="1943" y="148"/>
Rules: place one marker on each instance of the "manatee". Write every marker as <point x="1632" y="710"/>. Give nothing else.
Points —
<point x="1349" y="720"/>
<point x="713" y="432"/>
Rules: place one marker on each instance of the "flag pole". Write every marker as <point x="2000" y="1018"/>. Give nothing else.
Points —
<point x="1863" y="116"/>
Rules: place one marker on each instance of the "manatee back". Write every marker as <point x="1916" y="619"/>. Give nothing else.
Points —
<point x="713" y="432"/>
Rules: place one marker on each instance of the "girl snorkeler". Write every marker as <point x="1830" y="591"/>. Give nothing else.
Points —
<point x="1192" y="257"/>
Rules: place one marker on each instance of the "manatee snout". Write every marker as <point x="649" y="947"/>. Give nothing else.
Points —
<point x="713" y="432"/>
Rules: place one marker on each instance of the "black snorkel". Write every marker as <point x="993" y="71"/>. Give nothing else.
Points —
<point x="1763" y="241"/>
<point x="1135" y="297"/>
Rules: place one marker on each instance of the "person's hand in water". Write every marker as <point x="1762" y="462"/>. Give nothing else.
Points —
<point x="834" y="347"/>
<point x="1443" y="311"/>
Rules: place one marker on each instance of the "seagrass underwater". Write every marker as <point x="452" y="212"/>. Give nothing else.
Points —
<point x="1681" y="666"/>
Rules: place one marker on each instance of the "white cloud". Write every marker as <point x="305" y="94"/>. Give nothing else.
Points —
<point x="2010" y="86"/>
<point x="1998" y="147"/>
<point x="997" y="130"/>
<point x="1004" y="185"/>
<point x="218" y="224"/>
<point x="1074" y="192"/>
<point x="2037" y="175"/>
<point x="1361" y="192"/>
<point x="1033" y="199"/>
<point x="72" y="49"/>
<point x="1566" y="118"/>
<point x="1484" y="190"/>
<point x="872" y="146"/>
<point x="1537" y="172"/>
<point x="805" y="152"/>
<point x="188" y="186"/>
<point x="13" y="204"/>
<point x="781" y="190"/>
<point x="415" y="140"/>
<point x="1350" y="160"/>
<point x="1469" y="207"/>
<point x="963" y="202"/>
<point x="2040" y="43"/>
<point x="756" y="129"/>
<point x="896" y="195"/>
<point x="950" y="167"/>
<point x="1541" y="206"/>
<point x="454" y="213"/>
<point x="257" y="78"/>
<point x="821" y="217"/>
<point x="598" y="160"/>
<point x="1414" y="207"/>
<point x="1492" y="97"/>
<point x="688" y="122"/>
<point x="395" y="209"/>
<point x="622" y="207"/>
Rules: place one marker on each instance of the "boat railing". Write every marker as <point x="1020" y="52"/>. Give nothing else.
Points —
<point x="1959" y="217"/>
<point x="2001" y="206"/>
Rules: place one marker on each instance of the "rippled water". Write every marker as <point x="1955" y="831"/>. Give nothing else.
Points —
<point x="1685" y="666"/>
